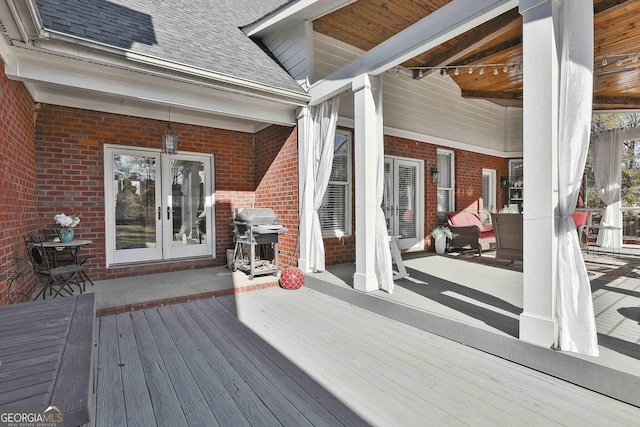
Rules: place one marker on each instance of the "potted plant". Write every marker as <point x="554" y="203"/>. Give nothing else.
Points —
<point x="440" y="235"/>
<point x="66" y="223"/>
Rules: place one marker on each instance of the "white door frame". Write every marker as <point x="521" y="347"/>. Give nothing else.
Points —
<point x="163" y="249"/>
<point x="417" y="243"/>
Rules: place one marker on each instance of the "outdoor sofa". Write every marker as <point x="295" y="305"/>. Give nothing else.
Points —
<point x="469" y="231"/>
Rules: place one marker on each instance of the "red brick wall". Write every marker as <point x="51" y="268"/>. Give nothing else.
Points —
<point x="17" y="184"/>
<point x="468" y="189"/>
<point x="70" y="174"/>
<point x="277" y="184"/>
<point x="469" y="179"/>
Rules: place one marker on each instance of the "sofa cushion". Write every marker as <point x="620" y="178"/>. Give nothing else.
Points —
<point x="580" y="218"/>
<point x="465" y="219"/>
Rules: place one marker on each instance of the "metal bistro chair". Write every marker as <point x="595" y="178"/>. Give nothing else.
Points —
<point x="56" y="279"/>
<point x="66" y="257"/>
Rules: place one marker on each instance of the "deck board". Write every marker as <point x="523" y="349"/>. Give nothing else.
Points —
<point x="275" y="357"/>
<point x="110" y="400"/>
<point x="222" y="406"/>
<point x="260" y="377"/>
<point x="46" y="352"/>
<point x="454" y="379"/>
<point x="136" y="394"/>
<point x="166" y="405"/>
<point x="194" y="405"/>
<point x="312" y="401"/>
<point x="244" y="397"/>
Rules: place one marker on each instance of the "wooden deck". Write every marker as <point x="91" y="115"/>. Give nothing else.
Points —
<point x="46" y="349"/>
<point x="277" y="357"/>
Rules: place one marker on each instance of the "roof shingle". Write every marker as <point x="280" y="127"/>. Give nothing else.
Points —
<point x="200" y="33"/>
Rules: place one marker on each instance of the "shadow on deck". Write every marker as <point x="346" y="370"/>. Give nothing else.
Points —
<point x="477" y="302"/>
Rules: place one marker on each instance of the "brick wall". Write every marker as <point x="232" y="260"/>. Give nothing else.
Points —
<point x="277" y="184"/>
<point x="469" y="179"/>
<point x="468" y="171"/>
<point x="17" y="184"/>
<point x="70" y="174"/>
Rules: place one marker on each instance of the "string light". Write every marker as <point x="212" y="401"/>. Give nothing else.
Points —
<point x="619" y="58"/>
<point x="419" y="72"/>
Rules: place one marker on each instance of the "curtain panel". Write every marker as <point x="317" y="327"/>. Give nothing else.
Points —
<point x="325" y="120"/>
<point x="574" y="308"/>
<point x="607" y="156"/>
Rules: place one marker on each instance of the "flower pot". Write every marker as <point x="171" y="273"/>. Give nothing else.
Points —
<point x="441" y="244"/>
<point x="65" y="234"/>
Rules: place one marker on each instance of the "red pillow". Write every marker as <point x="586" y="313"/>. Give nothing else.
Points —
<point x="580" y="218"/>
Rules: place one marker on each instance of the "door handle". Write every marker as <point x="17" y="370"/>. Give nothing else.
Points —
<point x="168" y="212"/>
<point x="159" y="213"/>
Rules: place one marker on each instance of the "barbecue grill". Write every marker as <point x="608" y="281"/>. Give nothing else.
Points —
<point x="253" y="227"/>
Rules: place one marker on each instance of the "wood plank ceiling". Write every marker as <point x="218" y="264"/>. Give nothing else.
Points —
<point x="497" y="45"/>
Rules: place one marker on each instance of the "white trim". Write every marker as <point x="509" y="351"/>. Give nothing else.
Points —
<point x="348" y="215"/>
<point x="493" y="178"/>
<point x="435" y="140"/>
<point x="96" y="51"/>
<point x="44" y="73"/>
<point x="292" y="13"/>
<point x="452" y="188"/>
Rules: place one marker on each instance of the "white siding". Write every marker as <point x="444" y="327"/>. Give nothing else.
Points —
<point x="431" y="107"/>
<point x="290" y="48"/>
<point x="514" y="136"/>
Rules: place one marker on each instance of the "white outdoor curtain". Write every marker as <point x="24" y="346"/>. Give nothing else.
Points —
<point x="577" y="326"/>
<point x="607" y="156"/>
<point x="325" y="119"/>
<point x="384" y="267"/>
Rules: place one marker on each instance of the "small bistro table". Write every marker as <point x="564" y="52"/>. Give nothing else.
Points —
<point x="74" y="246"/>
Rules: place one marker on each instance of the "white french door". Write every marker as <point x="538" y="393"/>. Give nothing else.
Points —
<point x="157" y="206"/>
<point x="403" y="201"/>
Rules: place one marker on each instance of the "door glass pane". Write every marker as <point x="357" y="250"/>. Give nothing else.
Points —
<point x="189" y="216"/>
<point x="387" y="198"/>
<point x="135" y="204"/>
<point x="486" y="191"/>
<point x="407" y="201"/>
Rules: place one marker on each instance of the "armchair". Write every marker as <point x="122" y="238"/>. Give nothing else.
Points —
<point x="469" y="231"/>
<point x="508" y="228"/>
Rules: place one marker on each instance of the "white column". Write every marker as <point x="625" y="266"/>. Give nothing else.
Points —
<point x="541" y="79"/>
<point x="368" y="144"/>
<point x="305" y="186"/>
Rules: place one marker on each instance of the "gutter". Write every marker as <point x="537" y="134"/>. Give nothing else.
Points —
<point x="228" y="82"/>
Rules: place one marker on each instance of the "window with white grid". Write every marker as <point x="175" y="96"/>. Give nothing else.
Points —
<point x="335" y="212"/>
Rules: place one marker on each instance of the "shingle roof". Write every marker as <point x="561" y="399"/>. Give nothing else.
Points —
<point x="200" y="33"/>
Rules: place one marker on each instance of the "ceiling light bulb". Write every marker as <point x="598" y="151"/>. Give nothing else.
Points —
<point x="604" y="62"/>
<point x="635" y="57"/>
<point x="470" y="70"/>
<point x="457" y="71"/>
<point x="482" y="71"/>
<point x="505" y="69"/>
<point x="420" y="73"/>
<point x="495" y="71"/>
<point x="619" y="62"/>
